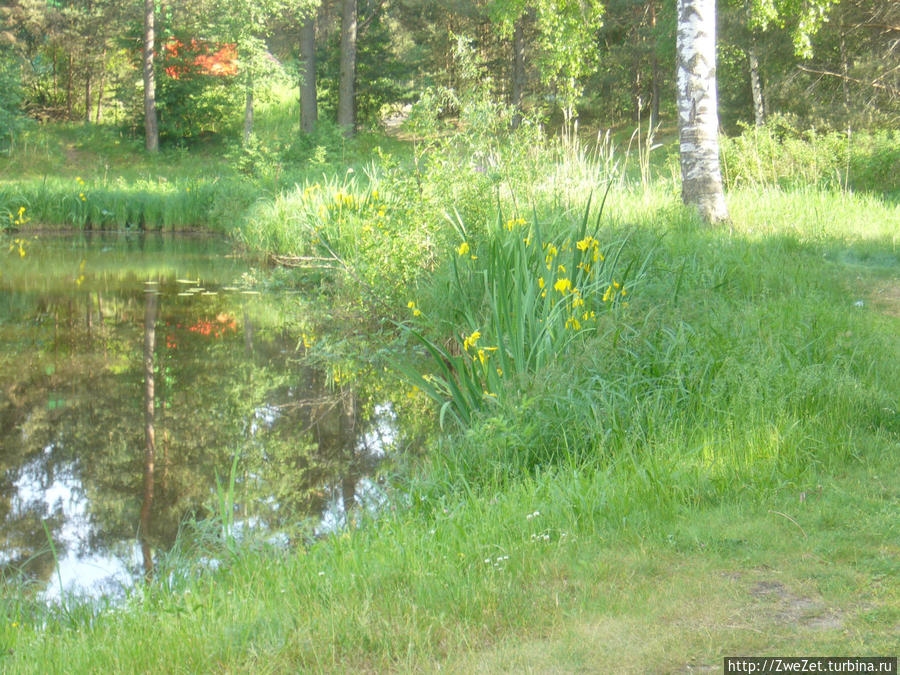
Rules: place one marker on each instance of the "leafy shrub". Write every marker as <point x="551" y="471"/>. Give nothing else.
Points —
<point x="779" y="154"/>
<point x="191" y="102"/>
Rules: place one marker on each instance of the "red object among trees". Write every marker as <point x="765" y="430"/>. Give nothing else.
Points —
<point x="198" y="57"/>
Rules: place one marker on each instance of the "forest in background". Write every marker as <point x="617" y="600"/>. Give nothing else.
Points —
<point x="820" y="64"/>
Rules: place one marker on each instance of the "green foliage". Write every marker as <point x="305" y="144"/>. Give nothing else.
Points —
<point x="518" y="301"/>
<point x="12" y="118"/>
<point x="350" y="223"/>
<point x="323" y="148"/>
<point x="382" y="80"/>
<point x="567" y="50"/>
<point x="194" y="104"/>
<point x="779" y="154"/>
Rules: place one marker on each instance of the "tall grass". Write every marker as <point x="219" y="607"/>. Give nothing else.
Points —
<point x="780" y="155"/>
<point x="517" y="301"/>
<point x="142" y="204"/>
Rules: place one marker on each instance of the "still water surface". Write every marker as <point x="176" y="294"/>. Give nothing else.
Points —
<point x="109" y="340"/>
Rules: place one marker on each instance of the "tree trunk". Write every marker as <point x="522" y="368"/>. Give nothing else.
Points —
<point x="69" y="90"/>
<point x="87" y="97"/>
<point x="845" y="71"/>
<point x="759" y="109"/>
<point x="151" y="125"/>
<point x="55" y="76"/>
<point x="698" y="118"/>
<point x="248" y="112"/>
<point x="100" y="85"/>
<point x="654" y="72"/>
<point x="518" y="74"/>
<point x="150" y="314"/>
<point x="637" y="90"/>
<point x="346" y="113"/>
<point x="248" y="334"/>
<point x="309" y="109"/>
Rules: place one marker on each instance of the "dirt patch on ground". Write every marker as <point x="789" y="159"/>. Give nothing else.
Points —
<point x="786" y="607"/>
<point x="885" y="297"/>
<point x="75" y="156"/>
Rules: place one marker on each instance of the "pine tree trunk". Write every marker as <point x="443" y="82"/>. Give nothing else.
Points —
<point x="309" y="109"/>
<point x="698" y="118"/>
<point x="346" y="116"/>
<point x="87" y="97"/>
<point x="518" y="74"/>
<point x="101" y="85"/>
<point x="151" y="125"/>
<point x="759" y="110"/>
<point x="69" y="90"/>
<point x="654" y="72"/>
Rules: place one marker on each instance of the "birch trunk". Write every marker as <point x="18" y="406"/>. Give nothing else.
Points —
<point x="759" y="110"/>
<point x="698" y="118"/>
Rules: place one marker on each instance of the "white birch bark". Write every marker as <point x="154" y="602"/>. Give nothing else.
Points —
<point x="759" y="110"/>
<point x="698" y="118"/>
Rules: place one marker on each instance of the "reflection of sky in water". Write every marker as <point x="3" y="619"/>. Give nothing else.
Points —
<point x="92" y="335"/>
<point x="369" y="495"/>
<point x="96" y="575"/>
<point x="91" y="575"/>
<point x="383" y="434"/>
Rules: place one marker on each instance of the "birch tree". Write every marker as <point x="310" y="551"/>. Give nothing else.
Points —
<point x="698" y="118"/>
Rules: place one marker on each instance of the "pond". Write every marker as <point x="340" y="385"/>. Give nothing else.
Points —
<point x="140" y="373"/>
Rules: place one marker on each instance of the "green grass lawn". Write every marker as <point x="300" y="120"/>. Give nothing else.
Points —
<point x="708" y="470"/>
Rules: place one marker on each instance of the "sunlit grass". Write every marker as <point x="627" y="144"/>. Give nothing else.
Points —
<point x="707" y="472"/>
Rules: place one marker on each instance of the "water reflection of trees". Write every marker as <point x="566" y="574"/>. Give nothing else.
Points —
<point x="227" y="378"/>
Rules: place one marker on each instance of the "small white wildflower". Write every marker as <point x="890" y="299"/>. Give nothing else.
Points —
<point x="321" y="574"/>
<point x="532" y="515"/>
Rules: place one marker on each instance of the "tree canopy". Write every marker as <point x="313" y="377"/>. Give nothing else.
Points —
<point x="820" y="62"/>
